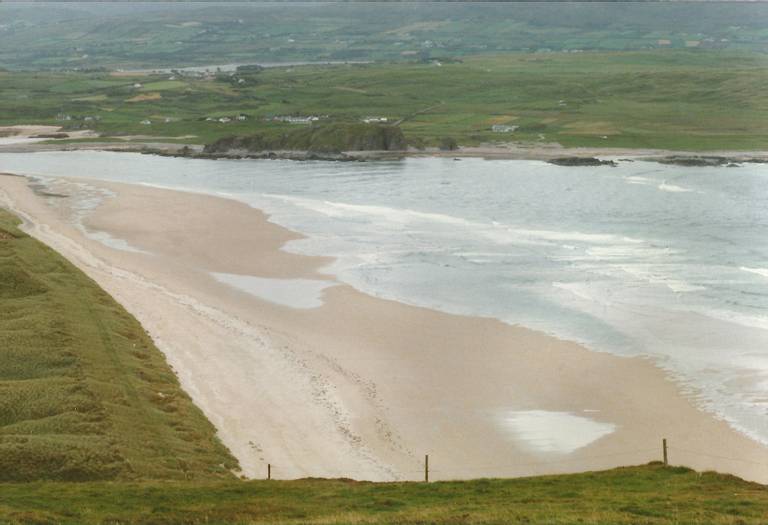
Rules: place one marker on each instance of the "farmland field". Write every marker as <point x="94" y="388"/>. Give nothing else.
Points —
<point x="661" y="99"/>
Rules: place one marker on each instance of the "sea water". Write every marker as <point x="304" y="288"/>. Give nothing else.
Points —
<point x="644" y="259"/>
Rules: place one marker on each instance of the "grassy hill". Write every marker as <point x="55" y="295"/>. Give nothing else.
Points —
<point x="90" y="35"/>
<point x="662" y="99"/>
<point x="650" y="494"/>
<point x="84" y="393"/>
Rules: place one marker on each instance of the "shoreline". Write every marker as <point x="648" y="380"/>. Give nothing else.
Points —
<point x="512" y="151"/>
<point x="359" y="387"/>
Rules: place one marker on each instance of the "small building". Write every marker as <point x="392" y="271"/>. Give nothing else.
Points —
<point x="224" y="120"/>
<point x="503" y="128"/>
<point x="242" y="117"/>
<point x="375" y="120"/>
<point x="292" y="119"/>
<point x="146" y="122"/>
<point x="137" y="86"/>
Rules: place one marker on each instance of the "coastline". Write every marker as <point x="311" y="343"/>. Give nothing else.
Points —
<point x="357" y="387"/>
<point x="511" y="151"/>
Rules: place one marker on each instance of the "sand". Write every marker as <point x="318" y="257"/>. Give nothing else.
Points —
<point x="22" y="137"/>
<point x="339" y="383"/>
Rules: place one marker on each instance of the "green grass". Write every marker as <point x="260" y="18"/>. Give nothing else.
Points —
<point x="84" y="393"/>
<point x="697" y="100"/>
<point x="650" y="494"/>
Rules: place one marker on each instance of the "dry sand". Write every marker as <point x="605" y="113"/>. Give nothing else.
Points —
<point x="22" y="137"/>
<point x="361" y="387"/>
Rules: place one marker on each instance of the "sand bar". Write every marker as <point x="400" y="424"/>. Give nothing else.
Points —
<point x="358" y="386"/>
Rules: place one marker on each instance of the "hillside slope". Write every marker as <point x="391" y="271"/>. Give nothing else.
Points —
<point x="84" y="393"/>
<point x="176" y="34"/>
<point x="651" y="494"/>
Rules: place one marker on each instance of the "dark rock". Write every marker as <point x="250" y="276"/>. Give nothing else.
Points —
<point x="581" y="161"/>
<point x="679" y="160"/>
<point x="51" y="136"/>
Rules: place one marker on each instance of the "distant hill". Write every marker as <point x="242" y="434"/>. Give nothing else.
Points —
<point x="120" y="35"/>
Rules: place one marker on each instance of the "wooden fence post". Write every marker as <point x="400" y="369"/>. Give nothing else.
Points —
<point x="269" y="471"/>
<point x="664" y="448"/>
<point x="426" y="468"/>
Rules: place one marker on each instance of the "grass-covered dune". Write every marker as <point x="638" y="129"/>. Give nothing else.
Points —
<point x="84" y="393"/>
<point x="651" y="494"/>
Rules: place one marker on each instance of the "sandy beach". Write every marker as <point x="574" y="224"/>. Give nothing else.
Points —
<point x="307" y="374"/>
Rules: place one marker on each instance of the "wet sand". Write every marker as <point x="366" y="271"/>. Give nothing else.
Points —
<point x="322" y="380"/>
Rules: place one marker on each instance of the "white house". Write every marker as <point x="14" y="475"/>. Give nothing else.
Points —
<point x="502" y="128"/>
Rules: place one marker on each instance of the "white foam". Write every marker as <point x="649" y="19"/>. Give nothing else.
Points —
<point x="111" y="242"/>
<point x="494" y="230"/>
<point x="763" y="272"/>
<point x="296" y="293"/>
<point x="554" y="432"/>
<point x="672" y="188"/>
<point x="656" y="274"/>
<point x="644" y="181"/>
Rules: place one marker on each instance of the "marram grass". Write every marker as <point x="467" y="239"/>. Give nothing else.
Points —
<point x="84" y="393"/>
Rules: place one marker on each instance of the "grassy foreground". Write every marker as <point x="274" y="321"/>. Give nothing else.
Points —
<point x="84" y="393"/>
<point x="679" y="100"/>
<point x="650" y="494"/>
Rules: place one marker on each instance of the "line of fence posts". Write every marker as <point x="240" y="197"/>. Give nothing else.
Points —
<point x="663" y="451"/>
<point x="426" y="462"/>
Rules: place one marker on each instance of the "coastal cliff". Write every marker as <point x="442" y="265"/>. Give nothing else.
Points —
<point x="326" y="139"/>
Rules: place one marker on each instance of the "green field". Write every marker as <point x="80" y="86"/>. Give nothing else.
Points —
<point x="637" y="495"/>
<point x="84" y="393"/>
<point x="664" y="99"/>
